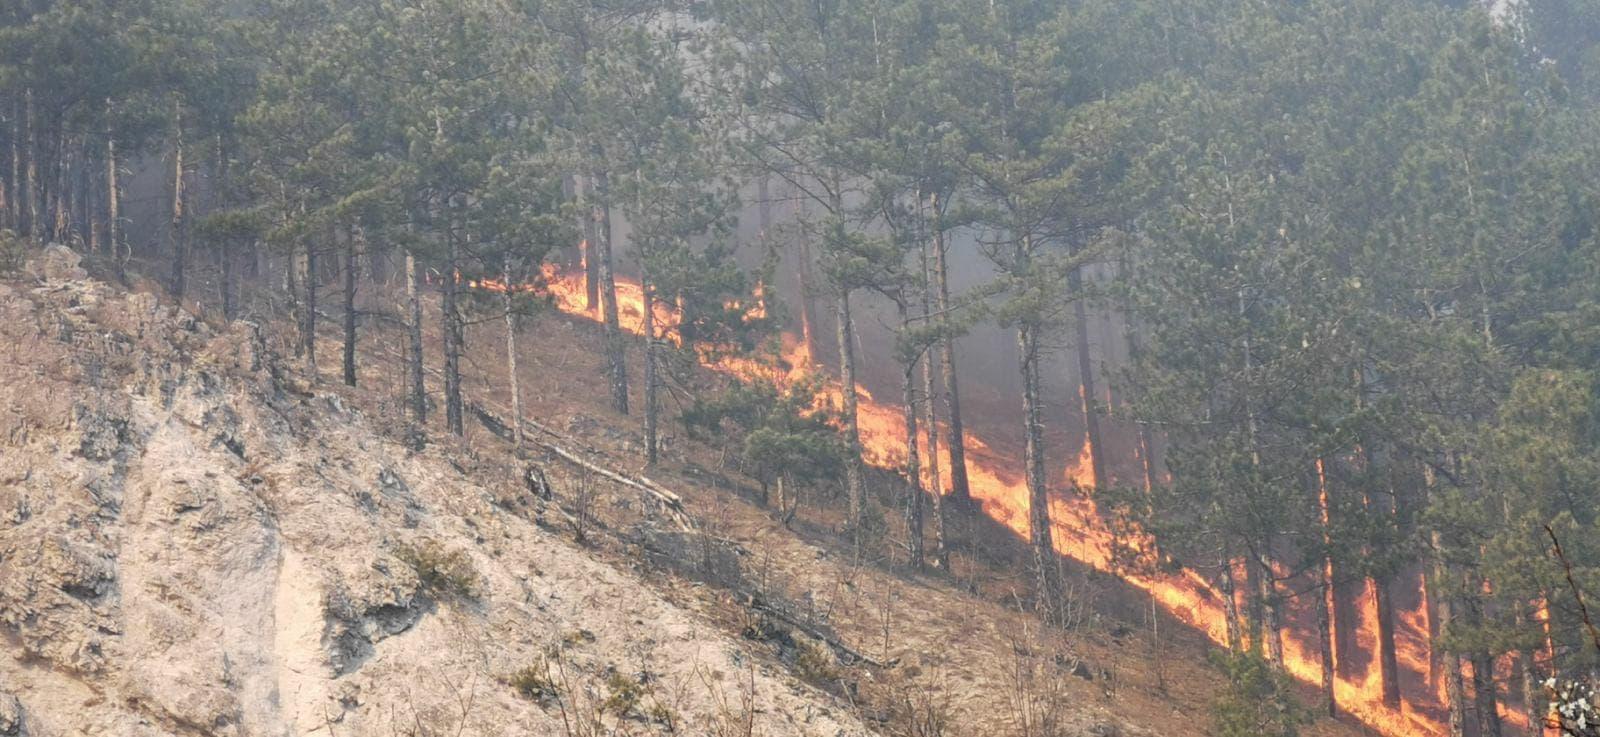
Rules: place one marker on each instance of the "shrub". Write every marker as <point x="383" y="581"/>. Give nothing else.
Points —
<point x="1257" y="700"/>
<point x="442" y="573"/>
<point x="534" y="682"/>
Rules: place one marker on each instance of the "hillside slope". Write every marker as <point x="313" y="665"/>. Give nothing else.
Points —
<point x="193" y="541"/>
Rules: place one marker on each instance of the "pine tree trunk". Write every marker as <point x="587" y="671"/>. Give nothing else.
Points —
<point x="930" y="394"/>
<point x="451" y="317"/>
<point x="14" y="180"/>
<point x="1485" y="699"/>
<point x="1039" y="530"/>
<point x="591" y="264"/>
<point x="1388" y="664"/>
<point x="1230" y="607"/>
<point x="180" y="225"/>
<point x="913" y="500"/>
<point x="616" y="363"/>
<point x="419" y="396"/>
<point x="1325" y="646"/>
<point x="114" y="201"/>
<point x="309" y="333"/>
<point x="90" y="183"/>
<point x="30" y="173"/>
<point x="352" y="247"/>
<point x="1086" y="388"/>
<point x="955" y="442"/>
<point x="1325" y="622"/>
<point x="651" y="410"/>
<point x="508" y="302"/>
<point x="228" y="289"/>
<point x="1271" y="621"/>
<point x="1443" y="607"/>
<point x="854" y="484"/>
<point x="62" y="232"/>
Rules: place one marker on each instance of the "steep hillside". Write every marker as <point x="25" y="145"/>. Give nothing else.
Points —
<point x="195" y="540"/>
<point x="197" y="537"/>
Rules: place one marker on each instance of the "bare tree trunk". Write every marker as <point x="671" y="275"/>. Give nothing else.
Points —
<point x="930" y="394"/>
<point x="1039" y="530"/>
<point x="651" y="410"/>
<point x="62" y="212"/>
<point x="1325" y="646"/>
<point x="913" y="501"/>
<point x="30" y="182"/>
<point x="309" y="333"/>
<point x="511" y="351"/>
<point x="1086" y="390"/>
<point x="419" y="396"/>
<point x="114" y="199"/>
<point x="228" y="288"/>
<point x="1325" y="622"/>
<point x="1485" y="700"/>
<point x="453" y="338"/>
<point x="591" y="264"/>
<point x="14" y="180"/>
<point x="180" y="225"/>
<point x="1443" y="607"/>
<point x="1230" y="607"/>
<point x="353" y="245"/>
<point x="1271" y="621"/>
<point x="854" y="484"/>
<point x="616" y="362"/>
<point x="955" y="442"/>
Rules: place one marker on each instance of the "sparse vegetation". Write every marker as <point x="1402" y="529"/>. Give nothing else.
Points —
<point x="442" y="573"/>
<point x="1256" y="701"/>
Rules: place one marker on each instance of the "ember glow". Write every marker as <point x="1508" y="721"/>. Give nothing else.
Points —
<point x="1080" y="530"/>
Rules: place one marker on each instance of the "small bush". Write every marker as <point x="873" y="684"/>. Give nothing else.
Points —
<point x="534" y="682"/>
<point x="623" y="695"/>
<point x="442" y="573"/>
<point x="815" y="664"/>
<point x="10" y="253"/>
<point x="1257" y="701"/>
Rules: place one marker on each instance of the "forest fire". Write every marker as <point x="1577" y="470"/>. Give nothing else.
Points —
<point x="1080" y="530"/>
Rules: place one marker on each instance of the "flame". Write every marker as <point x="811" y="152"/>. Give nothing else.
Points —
<point x="1079" y="529"/>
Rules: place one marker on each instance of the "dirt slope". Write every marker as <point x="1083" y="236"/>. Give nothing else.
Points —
<point x="194" y="540"/>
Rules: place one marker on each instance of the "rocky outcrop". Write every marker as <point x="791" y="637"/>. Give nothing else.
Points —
<point x="196" y="540"/>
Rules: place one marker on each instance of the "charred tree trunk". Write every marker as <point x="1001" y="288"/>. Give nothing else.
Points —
<point x="508" y="301"/>
<point x="451" y="316"/>
<point x="1485" y="697"/>
<point x="955" y="441"/>
<point x="180" y="224"/>
<point x="854" y="484"/>
<point x="352" y="249"/>
<point x="616" y="363"/>
<point x="419" y="396"/>
<point x="1086" y="390"/>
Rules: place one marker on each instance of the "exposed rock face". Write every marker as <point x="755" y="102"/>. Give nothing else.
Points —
<point x="192" y="541"/>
